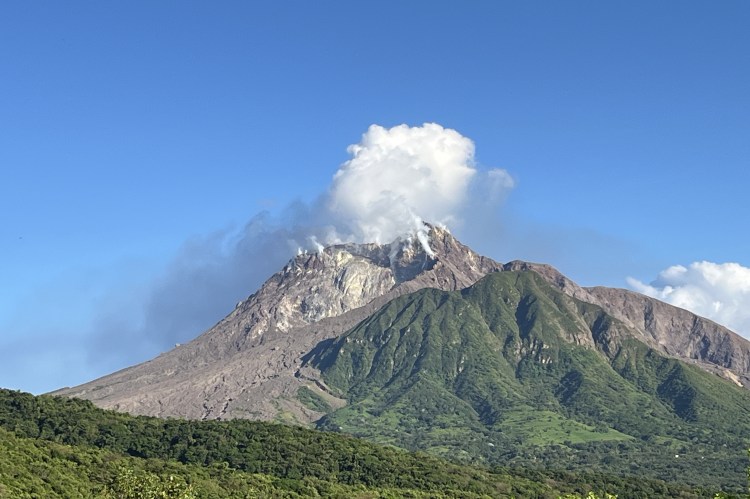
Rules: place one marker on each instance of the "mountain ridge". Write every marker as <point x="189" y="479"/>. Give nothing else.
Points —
<point x="709" y="345"/>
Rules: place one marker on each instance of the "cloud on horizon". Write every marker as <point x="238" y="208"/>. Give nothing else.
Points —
<point x="717" y="291"/>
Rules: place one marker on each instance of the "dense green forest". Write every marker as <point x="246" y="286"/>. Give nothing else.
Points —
<point x="58" y="447"/>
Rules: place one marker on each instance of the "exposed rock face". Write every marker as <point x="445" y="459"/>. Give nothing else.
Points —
<point x="248" y="364"/>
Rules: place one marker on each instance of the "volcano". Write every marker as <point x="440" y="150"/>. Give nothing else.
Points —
<point x="249" y="364"/>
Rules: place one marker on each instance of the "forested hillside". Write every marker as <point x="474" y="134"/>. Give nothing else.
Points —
<point x="58" y="447"/>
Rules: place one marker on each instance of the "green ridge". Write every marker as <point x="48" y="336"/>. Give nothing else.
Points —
<point x="511" y="370"/>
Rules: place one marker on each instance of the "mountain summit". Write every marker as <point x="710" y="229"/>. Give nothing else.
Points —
<point x="248" y="364"/>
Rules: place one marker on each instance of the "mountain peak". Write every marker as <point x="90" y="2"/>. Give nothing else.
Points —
<point x="407" y="257"/>
<point x="248" y="364"/>
<point x="343" y="277"/>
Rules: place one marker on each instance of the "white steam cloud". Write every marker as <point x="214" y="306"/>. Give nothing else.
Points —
<point x="394" y="180"/>
<point x="399" y="177"/>
<point x="718" y="291"/>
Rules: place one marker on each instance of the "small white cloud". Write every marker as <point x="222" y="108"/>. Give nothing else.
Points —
<point x="718" y="291"/>
<point x="500" y="179"/>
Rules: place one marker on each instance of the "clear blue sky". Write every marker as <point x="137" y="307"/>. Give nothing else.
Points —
<point x="129" y="128"/>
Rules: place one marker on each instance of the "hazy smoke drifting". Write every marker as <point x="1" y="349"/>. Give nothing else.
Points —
<point x="718" y="291"/>
<point x="395" y="179"/>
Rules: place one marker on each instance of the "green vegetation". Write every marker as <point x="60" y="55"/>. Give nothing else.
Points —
<point x="543" y="427"/>
<point x="512" y="371"/>
<point x="56" y="447"/>
<point x="35" y="468"/>
<point x="312" y="400"/>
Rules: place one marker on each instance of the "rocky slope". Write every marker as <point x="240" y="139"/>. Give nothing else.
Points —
<point x="248" y="364"/>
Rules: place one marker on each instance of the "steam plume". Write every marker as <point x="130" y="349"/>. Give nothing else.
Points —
<point x="400" y="176"/>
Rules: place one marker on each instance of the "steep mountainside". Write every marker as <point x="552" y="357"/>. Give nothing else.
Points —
<point x="513" y="370"/>
<point x="247" y="366"/>
<point x="666" y="328"/>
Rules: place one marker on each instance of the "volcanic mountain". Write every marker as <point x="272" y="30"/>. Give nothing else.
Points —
<point x="512" y="371"/>
<point x="249" y="364"/>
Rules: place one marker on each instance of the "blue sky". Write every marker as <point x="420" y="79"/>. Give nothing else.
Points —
<point x="134" y="136"/>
